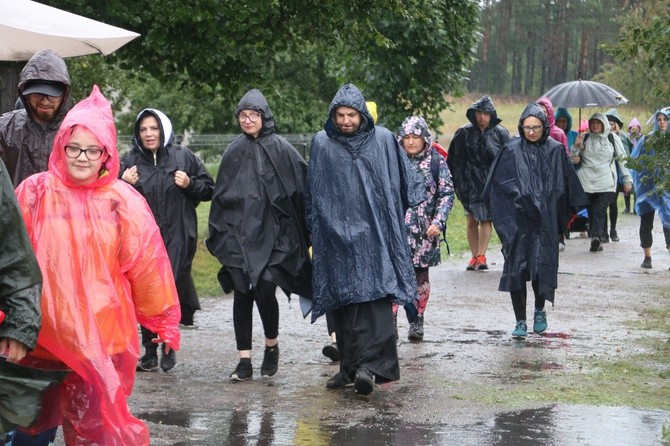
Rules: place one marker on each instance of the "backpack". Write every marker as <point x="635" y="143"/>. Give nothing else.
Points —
<point x="435" y="159"/>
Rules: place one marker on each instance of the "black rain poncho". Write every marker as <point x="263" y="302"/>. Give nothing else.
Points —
<point x="358" y="188"/>
<point x="173" y="208"/>
<point x="531" y="188"/>
<point x="471" y="153"/>
<point x="256" y="222"/>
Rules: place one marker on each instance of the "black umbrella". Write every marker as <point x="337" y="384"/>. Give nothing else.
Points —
<point x="582" y="94"/>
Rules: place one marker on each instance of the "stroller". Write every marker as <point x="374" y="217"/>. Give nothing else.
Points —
<point x="579" y="222"/>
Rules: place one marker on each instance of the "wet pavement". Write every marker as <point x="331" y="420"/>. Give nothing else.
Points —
<point x="464" y="384"/>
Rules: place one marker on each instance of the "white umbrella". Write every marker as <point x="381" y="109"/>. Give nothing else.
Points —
<point x="27" y="27"/>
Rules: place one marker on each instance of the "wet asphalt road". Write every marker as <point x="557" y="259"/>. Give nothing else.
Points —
<point x="447" y="391"/>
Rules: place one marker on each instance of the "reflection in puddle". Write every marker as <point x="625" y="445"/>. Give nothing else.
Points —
<point x="559" y="425"/>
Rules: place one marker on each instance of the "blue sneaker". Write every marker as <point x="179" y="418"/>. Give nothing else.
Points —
<point x="521" y="330"/>
<point x="540" y="321"/>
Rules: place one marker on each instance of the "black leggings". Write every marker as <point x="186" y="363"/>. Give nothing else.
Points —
<point x="519" y="301"/>
<point x="268" y="309"/>
<point x="646" y="226"/>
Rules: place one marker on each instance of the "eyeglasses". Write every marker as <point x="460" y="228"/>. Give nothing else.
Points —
<point x="37" y="97"/>
<point x="92" y="153"/>
<point x="534" y="128"/>
<point x="252" y="117"/>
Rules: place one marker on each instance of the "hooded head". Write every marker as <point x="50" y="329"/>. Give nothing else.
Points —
<point x="164" y="124"/>
<point x="415" y="125"/>
<point x="613" y="115"/>
<point x="665" y="112"/>
<point x="533" y="110"/>
<point x="254" y="100"/>
<point x="600" y="117"/>
<point x="549" y="107"/>
<point x="348" y="96"/>
<point x="564" y="113"/>
<point x="635" y="123"/>
<point x="93" y="114"/>
<point x="45" y="73"/>
<point x="485" y="105"/>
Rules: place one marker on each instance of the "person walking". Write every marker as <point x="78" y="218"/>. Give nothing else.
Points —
<point x="554" y="131"/>
<point x="257" y="228"/>
<point x="359" y="184"/>
<point x="470" y="155"/>
<point x="616" y="124"/>
<point x="105" y="269"/>
<point x="564" y="122"/>
<point x="174" y="181"/>
<point x="649" y="201"/>
<point x="426" y="221"/>
<point x="596" y="152"/>
<point x="531" y="188"/>
<point x="27" y="133"/>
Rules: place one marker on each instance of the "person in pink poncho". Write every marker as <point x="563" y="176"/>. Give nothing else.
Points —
<point x="105" y="270"/>
<point x="554" y="130"/>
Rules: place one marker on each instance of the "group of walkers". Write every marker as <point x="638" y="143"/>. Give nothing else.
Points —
<point x="101" y="243"/>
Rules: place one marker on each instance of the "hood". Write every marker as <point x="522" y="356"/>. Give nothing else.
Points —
<point x="485" y="104"/>
<point x="664" y="111"/>
<point x="534" y="109"/>
<point x="167" y="134"/>
<point x="254" y="100"/>
<point x="613" y="115"/>
<point x="415" y="125"/>
<point x="95" y="114"/>
<point x="372" y="108"/>
<point x="348" y="96"/>
<point x="46" y="65"/>
<point x="600" y="116"/>
<point x="551" y="118"/>
<point x="634" y="122"/>
<point x="564" y="113"/>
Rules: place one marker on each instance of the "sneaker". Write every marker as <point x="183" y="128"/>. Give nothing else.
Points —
<point x="595" y="245"/>
<point x="364" y="383"/>
<point x="147" y="363"/>
<point x="540" y="321"/>
<point x="168" y="360"/>
<point x="481" y="263"/>
<point x="472" y="265"/>
<point x="270" y="361"/>
<point x="330" y="351"/>
<point x="338" y="381"/>
<point x="646" y="263"/>
<point x="626" y="211"/>
<point x="243" y="370"/>
<point x="416" y="329"/>
<point x="521" y="330"/>
<point x="614" y="236"/>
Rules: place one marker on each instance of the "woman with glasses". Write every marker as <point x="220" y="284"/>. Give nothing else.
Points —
<point x="531" y="187"/>
<point x="257" y="228"/>
<point x="105" y="269"/>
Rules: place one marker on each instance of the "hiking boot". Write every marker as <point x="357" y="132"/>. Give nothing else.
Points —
<point x="364" y="383"/>
<point x="521" y="330"/>
<point x="147" y="363"/>
<point x="338" y="381"/>
<point x="646" y="263"/>
<point x="168" y="360"/>
<point x="481" y="263"/>
<point x="595" y="245"/>
<point x="540" y="321"/>
<point x="614" y="236"/>
<point x="416" y="329"/>
<point x="472" y="265"/>
<point x="243" y="370"/>
<point x="270" y="361"/>
<point x="330" y="351"/>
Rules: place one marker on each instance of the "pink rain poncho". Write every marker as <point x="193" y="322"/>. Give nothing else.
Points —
<point x="105" y="270"/>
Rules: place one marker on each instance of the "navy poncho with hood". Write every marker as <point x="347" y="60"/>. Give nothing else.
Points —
<point x="531" y="188"/>
<point x="358" y="188"/>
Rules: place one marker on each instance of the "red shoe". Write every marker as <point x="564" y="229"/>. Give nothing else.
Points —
<point x="481" y="263"/>
<point x="472" y="265"/>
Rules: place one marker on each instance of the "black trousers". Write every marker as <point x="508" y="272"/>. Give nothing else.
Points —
<point x="646" y="226"/>
<point x="519" y="298"/>
<point x="268" y="309"/>
<point x="597" y="208"/>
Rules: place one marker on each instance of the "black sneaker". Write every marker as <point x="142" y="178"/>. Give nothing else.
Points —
<point x="416" y="329"/>
<point x="338" y="381"/>
<point x="270" y="361"/>
<point x="330" y="351"/>
<point x="147" y="363"/>
<point x="614" y="236"/>
<point x="595" y="245"/>
<point x="243" y="370"/>
<point x="646" y="263"/>
<point x="364" y="383"/>
<point x="168" y="360"/>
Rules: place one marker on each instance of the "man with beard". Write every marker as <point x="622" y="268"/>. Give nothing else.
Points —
<point x="27" y="134"/>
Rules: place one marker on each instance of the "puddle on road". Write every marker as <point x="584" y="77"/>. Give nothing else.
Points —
<point x="562" y="425"/>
